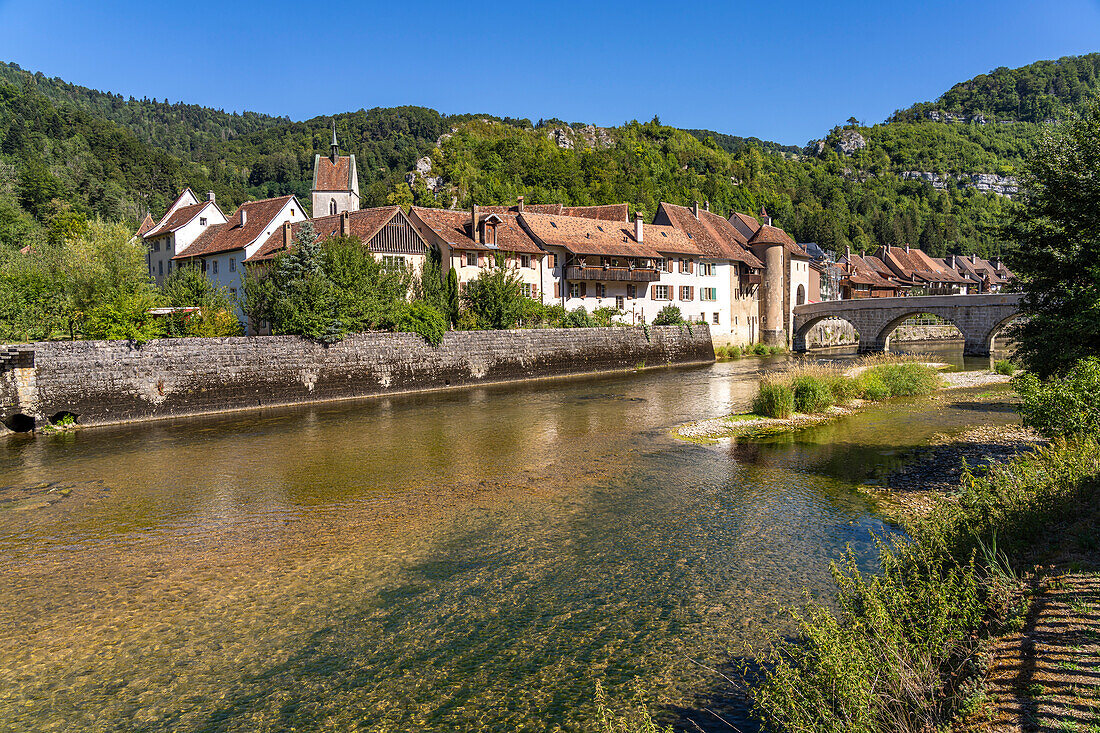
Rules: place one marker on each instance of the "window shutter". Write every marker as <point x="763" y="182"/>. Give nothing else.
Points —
<point x="557" y="289"/>
<point x="691" y="293"/>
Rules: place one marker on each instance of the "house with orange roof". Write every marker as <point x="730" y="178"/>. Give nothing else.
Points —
<point x="925" y="274"/>
<point x="185" y="220"/>
<point x="221" y="250"/>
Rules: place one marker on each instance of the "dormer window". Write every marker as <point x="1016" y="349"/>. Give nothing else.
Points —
<point x="490" y="234"/>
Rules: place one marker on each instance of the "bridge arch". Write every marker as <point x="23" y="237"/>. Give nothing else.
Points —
<point x="995" y="331"/>
<point x="798" y="339"/>
<point x="887" y="331"/>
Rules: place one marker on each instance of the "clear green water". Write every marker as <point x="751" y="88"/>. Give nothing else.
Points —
<point x="456" y="562"/>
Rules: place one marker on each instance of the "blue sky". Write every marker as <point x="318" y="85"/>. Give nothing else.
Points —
<point x="784" y="70"/>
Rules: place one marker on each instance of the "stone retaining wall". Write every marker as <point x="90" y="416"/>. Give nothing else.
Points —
<point x="104" y="382"/>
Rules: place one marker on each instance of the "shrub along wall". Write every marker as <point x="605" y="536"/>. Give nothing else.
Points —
<point x="105" y="382"/>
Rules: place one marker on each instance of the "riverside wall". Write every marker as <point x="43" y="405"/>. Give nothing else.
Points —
<point x="105" y="382"/>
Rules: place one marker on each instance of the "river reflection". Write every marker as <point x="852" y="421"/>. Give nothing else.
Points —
<point x="448" y="562"/>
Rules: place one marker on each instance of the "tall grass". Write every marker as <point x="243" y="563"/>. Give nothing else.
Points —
<point x="817" y="387"/>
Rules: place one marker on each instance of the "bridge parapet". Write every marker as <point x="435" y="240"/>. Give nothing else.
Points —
<point x="978" y="317"/>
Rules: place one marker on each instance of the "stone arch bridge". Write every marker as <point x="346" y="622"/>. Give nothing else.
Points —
<point x="978" y="317"/>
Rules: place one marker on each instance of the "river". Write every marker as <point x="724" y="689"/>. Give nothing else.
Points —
<point x="466" y="561"/>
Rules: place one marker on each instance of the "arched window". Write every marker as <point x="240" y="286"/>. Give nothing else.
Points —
<point x="800" y="296"/>
<point x="332" y="207"/>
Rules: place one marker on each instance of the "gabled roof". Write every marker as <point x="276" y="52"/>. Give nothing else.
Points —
<point x="769" y="235"/>
<point x="187" y="197"/>
<point x="181" y="217"/>
<point x="746" y="225"/>
<point x="146" y="224"/>
<point x="233" y="235"/>
<point x="583" y="236"/>
<point x="715" y="236"/>
<point x="363" y="224"/>
<point x="453" y="228"/>
<point x="514" y="209"/>
<point x="862" y="272"/>
<point x="329" y="176"/>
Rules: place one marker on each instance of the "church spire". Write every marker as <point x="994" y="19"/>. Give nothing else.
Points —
<point x="334" y="146"/>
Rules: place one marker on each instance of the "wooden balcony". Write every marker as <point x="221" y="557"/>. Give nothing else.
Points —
<point x="751" y="279"/>
<point x="612" y="274"/>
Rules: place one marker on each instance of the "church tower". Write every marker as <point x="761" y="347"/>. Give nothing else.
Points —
<point x="335" y="182"/>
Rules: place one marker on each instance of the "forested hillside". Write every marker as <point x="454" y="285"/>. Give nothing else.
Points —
<point x="68" y="153"/>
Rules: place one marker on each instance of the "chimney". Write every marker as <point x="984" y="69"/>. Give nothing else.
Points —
<point x="244" y="216"/>
<point x="954" y="265"/>
<point x="706" y="206"/>
<point x="519" y="203"/>
<point x="695" y="208"/>
<point x="473" y="223"/>
<point x="345" y="224"/>
<point x="638" y="226"/>
<point x="210" y="196"/>
<point x="764" y="218"/>
<point x="335" y="148"/>
<point x="848" y="252"/>
<point x="906" y="248"/>
<point x="287" y="238"/>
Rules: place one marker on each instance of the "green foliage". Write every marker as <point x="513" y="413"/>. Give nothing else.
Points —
<point x="495" y="297"/>
<point x="909" y="379"/>
<point x="325" y="289"/>
<point x="188" y="287"/>
<point x="95" y="285"/>
<point x="578" y="318"/>
<point x="894" y="652"/>
<point x="1057" y="230"/>
<point x="774" y="399"/>
<point x="843" y="388"/>
<point x="1066" y="405"/>
<point x="450" y="295"/>
<point x="668" y="316"/>
<point x="812" y="394"/>
<point x="420" y="318"/>
<point x="872" y="387"/>
<point x="605" y="315"/>
<point x="1005" y="367"/>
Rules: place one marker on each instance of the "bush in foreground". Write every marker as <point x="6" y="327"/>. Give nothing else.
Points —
<point x="774" y="399"/>
<point x="1067" y="405"/>
<point x="895" y="654"/>
<point x="1004" y="366"/>
<point x="811" y="394"/>
<point x="670" y="315"/>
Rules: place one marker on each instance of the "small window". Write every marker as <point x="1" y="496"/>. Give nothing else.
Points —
<point x="575" y="290"/>
<point x="393" y="262"/>
<point x="632" y="291"/>
<point x="156" y="246"/>
<point x="553" y="260"/>
<point x="331" y="207"/>
<point x="232" y="264"/>
<point x="620" y="302"/>
<point x="160" y="267"/>
<point x="525" y="260"/>
<point x="169" y="267"/>
<point x="491" y="234"/>
<point x="471" y="259"/>
<point x="204" y="267"/>
<point x="215" y="271"/>
<point x="714" y="319"/>
<point x="202" y="221"/>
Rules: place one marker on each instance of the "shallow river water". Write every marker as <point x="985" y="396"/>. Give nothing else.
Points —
<point x="449" y="562"/>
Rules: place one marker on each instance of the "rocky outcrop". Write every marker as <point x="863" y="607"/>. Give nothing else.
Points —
<point x="589" y="136"/>
<point x="422" y="171"/>
<point x="986" y="182"/>
<point x="849" y="142"/>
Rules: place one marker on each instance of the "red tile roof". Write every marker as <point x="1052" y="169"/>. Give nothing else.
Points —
<point x="862" y="271"/>
<point x="332" y="177"/>
<point x="453" y="227"/>
<point x="583" y="236"/>
<point x="607" y="212"/>
<point x="534" y="208"/>
<point x="185" y="193"/>
<point x="180" y="217"/>
<point x="747" y="223"/>
<point x="363" y="223"/>
<point x="146" y="224"/>
<point x="768" y="235"/>
<point x="232" y="235"/>
<point x="715" y="236"/>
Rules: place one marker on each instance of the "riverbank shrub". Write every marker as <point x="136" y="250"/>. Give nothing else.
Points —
<point x="908" y="379"/>
<point x="896" y="651"/>
<point x="811" y="394"/>
<point x="1062" y="405"/>
<point x="774" y="399"/>
<point x="871" y="387"/>
<point x="670" y="315"/>
<point x="1005" y="367"/>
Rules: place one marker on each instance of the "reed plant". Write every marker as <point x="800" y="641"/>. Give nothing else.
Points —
<point x="897" y="650"/>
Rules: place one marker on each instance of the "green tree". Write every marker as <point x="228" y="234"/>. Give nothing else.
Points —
<point x="495" y="296"/>
<point x="1057" y="254"/>
<point x="188" y="287"/>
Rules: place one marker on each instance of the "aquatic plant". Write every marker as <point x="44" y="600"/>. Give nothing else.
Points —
<point x="811" y="394"/>
<point x="775" y="398"/>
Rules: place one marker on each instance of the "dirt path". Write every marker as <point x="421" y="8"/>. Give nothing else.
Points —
<point x="1047" y="676"/>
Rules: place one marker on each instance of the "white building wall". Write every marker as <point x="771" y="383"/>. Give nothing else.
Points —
<point x="345" y="201"/>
